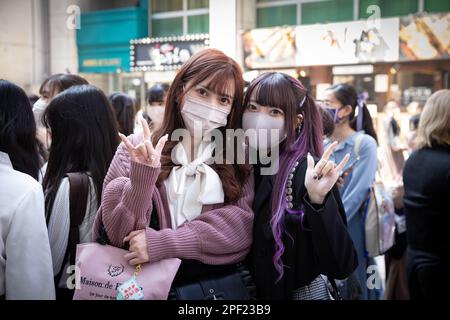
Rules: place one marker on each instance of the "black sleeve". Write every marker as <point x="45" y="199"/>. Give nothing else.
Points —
<point x="335" y="254"/>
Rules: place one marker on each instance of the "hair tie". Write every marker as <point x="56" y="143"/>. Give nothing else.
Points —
<point x="359" y="120"/>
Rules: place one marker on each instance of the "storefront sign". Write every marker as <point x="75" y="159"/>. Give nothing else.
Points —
<point x="425" y="37"/>
<point x="101" y="62"/>
<point x="415" y="37"/>
<point x="269" y="48"/>
<point x="167" y="53"/>
<point x="347" y="43"/>
<point x="356" y="69"/>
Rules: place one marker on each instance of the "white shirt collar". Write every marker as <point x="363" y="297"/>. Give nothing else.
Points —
<point x="5" y="160"/>
<point x="191" y="185"/>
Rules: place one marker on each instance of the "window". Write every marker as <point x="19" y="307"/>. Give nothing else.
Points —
<point x="198" y="24"/>
<point x="389" y="8"/>
<point x="166" y="6"/>
<point x="167" y="27"/>
<point x="179" y="17"/>
<point x="276" y="16"/>
<point x="436" y="6"/>
<point x="271" y="13"/>
<point x="327" y="11"/>
<point x="198" y="4"/>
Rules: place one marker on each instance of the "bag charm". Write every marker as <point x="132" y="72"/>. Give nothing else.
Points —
<point x="131" y="290"/>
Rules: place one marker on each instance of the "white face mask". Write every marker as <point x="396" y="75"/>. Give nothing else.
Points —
<point x="268" y="131"/>
<point x="156" y="114"/>
<point x="202" y="117"/>
<point x="39" y="108"/>
<point x="40" y="104"/>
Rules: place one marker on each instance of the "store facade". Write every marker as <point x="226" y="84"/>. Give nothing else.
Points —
<point x="104" y="41"/>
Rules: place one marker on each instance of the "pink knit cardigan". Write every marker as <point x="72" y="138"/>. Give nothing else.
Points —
<point x="222" y="234"/>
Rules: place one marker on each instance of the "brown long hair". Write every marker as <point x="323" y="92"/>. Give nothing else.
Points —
<point x="61" y="81"/>
<point x="213" y="64"/>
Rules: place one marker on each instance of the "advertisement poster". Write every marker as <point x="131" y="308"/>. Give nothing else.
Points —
<point x="425" y="37"/>
<point x="269" y="48"/>
<point x="347" y="43"/>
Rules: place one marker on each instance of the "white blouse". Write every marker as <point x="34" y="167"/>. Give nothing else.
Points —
<point x="191" y="185"/>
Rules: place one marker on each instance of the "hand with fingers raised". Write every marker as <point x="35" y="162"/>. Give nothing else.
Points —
<point x="144" y="152"/>
<point x="321" y="178"/>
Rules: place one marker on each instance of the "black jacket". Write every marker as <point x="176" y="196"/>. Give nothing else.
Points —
<point x="426" y="178"/>
<point x="321" y="246"/>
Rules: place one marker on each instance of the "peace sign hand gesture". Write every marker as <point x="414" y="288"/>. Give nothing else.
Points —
<point x="321" y="178"/>
<point x="145" y="153"/>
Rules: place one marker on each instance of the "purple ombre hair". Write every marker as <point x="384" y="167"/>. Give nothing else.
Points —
<point x="282" y="91"/>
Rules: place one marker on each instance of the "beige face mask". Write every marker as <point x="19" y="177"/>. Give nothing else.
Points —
<point x="156" y="114"/>
<point x="203" y="117"/>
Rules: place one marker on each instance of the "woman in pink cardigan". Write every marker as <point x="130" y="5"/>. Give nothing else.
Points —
<point x="204" y="211"/>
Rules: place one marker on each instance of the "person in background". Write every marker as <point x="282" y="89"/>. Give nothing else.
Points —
<point x="394" y="148"/>
<point x="125" y="111"/>
<point x="25" y="258"/>
<point x="327" y="121"/>
<point x="33" y="98"/>
<point x="50" y="88"/>
<point x="84" y="139"/>
<point x="414" y="108"/>
<point x="426" y="178"/>
<point x="395" y="258"/>
<point x="154" y="112"/>
<point x="342" y="102"/>
<point x="412" y="133"/>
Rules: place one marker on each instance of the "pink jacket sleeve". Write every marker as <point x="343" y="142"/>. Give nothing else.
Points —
<point x="219" y="236"/>
<point x="127" y="197"/>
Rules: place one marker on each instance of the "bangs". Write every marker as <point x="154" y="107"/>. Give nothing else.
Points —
<point x="222" y="81"/>
<point x="274" y="91"/>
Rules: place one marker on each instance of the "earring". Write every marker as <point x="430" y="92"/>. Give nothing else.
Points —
<point x="299" y="129"/>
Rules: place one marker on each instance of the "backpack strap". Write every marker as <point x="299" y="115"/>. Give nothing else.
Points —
<point x="79" y="190"/>
<point x="356" y="148"/>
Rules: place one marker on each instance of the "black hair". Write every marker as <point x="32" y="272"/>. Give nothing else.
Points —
<point x="125" y="111"/>
<point x="18" y="129"/>
<point x="84" y="138"/>
<point x="157" y="93"/>
<point x="327" y="120"/>
<point x="395" y="127"/>
<point x="347" y="95"/>
<point x="33" y="98"/>
<point x="414" y="122"/>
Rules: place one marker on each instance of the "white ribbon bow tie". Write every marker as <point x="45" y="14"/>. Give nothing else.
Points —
<point x="206" y="188"/>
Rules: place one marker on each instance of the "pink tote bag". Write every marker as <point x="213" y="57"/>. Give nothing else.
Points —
<point x="103" y="269"/>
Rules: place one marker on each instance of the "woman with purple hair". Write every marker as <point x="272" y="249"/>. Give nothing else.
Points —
<point x="300" y="235"/>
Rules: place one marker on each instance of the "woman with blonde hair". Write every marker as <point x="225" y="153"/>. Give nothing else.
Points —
<point x="427" y="188"/>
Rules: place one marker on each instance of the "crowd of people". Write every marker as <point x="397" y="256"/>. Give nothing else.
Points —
<point x="298" y="230"/>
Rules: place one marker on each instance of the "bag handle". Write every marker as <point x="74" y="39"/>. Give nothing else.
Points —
<point x="78" y="197"/>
